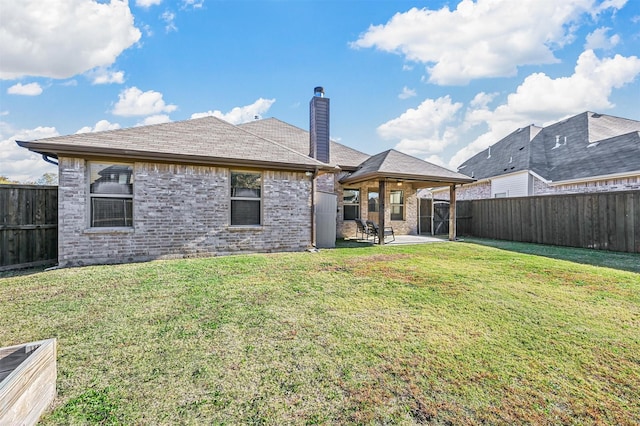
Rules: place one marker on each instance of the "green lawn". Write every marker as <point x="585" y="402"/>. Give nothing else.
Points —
<point x="447" y="333"/>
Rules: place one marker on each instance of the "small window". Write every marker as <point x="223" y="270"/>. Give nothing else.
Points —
<point x="396" y="199"/>
<point x="500" y="195"/>
<point x="111" y="195"/>
<point x="374" y="202"/>
<point x="246" y="198"/>
<point x="351" y="204"/>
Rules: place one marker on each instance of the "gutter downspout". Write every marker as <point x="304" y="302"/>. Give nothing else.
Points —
<point x="49" y="160"/>
<point x="313" y="207"/>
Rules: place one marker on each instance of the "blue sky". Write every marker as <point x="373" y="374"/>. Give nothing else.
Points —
<point x="440" y="80"/>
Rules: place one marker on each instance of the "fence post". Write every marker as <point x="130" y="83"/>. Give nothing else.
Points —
<point x="452" y="213"/>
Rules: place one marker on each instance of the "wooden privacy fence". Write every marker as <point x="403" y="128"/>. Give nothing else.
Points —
<point x="604" y="221"/>
<point x="28" y="226"/>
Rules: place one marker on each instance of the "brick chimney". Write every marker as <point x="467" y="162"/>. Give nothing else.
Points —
<point x="319" y="126"/>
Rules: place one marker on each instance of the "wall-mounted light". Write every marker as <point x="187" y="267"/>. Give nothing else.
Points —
<point x="308" y="174"/>
<point x="399" y="183"/>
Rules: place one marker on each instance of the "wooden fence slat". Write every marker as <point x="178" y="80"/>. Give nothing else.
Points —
<point x="605" y="221"/>
<point x="28" y="225"/>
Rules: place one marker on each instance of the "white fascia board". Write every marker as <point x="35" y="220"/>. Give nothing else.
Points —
<point x="537" y="176"/>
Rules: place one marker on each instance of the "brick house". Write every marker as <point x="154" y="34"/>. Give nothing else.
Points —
<point x="204" y="187"/>
<point x="588" y="152"/>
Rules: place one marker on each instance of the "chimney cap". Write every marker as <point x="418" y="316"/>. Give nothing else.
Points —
<point x="318" y="91"/>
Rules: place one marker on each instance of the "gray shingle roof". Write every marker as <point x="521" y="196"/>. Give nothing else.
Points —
<point x="596" y="145"/>
<point x="395" y="164"/>
<point x="268" y="143"/>
<point x="298" y="140"/>
<point x="207" y="140"/>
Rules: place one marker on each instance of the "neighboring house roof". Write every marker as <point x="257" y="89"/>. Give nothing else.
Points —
<point x="207" y="140"/>
<point x="298" y="140"/>
<point x="582" y="146"/>
<point x="396" y="165"/>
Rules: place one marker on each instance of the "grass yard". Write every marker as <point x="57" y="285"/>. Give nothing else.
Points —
<point x="448" y="333"/>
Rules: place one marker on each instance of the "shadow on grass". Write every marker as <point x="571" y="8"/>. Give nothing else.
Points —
<point x="23" y="271"/>
<point x="608" y="259"/>
<point x="353" y="243"/>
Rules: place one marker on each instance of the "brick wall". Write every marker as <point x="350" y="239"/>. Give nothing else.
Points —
<point x="181" y="211"/>
<point x="479" y="191"/>
<point x="606" y="185"/>
<point x="472" y="191"/>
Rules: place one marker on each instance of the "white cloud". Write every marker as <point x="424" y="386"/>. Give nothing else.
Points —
<point x="193" y="4"/>
<point x="19" y="163"/>
<point x="599" y="39"/>
<point x="62" y="38"/>
<point x="70" y="83"/>
<point x="437" y="160"/>
<point x="147" y="3"/>
<point x="423" y="130"/>
<point x="30" y="89"/>
<point x="407" y="93"/>
<point x="487" y="38"/>
<point x="482" y="99"/>
<point x="169" y="20"/>
<point x="102" y="75"/>
<point x="100" y="126"/>
<point x="147" y="30"/>
<point x="240" y="115"/>
<point x="541" y="99"/>
<point x="155" y="119"/>
<point x="133" y="101"/>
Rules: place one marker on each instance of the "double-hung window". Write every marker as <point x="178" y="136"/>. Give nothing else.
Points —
<point x="246" y="198"/>
<point x="111" y="195"/>
<point x="351" y="204"/>
<point x="396" y="199"/>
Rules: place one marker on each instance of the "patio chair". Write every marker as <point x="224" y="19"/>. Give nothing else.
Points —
<point x="362" y="228"/>
<point x="374" y="230"/>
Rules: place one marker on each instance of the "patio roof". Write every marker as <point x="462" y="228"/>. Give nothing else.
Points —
<point x="394" y="165"/>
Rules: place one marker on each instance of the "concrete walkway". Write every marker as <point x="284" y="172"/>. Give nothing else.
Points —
<point x="417" y="239"/>
<point x="406" y="239"/>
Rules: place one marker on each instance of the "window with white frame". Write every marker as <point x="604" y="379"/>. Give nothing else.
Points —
<point x="351" y="204"/>
<point x="246" y="198"/>
<point x="110" y="194"/>
<point x="396" y="199"/>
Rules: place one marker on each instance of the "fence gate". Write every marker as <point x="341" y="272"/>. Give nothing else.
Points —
<point x="28" y="226"/>
<point x="440" y="217"/>
<point x="424" y="215"/>
<point x="326" y="205"/>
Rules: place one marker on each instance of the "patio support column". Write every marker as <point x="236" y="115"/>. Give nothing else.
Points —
<point x="452" y="212"/>
<point x="381" y="209"/>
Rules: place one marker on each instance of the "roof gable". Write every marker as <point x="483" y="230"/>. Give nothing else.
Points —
<point x="585" y="145"/>
<point x="511" y="154"/>
<point x="395" y="164"/>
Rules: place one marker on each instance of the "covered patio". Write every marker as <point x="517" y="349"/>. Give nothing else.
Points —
<point x="392" y="174"/>
<point x="400" y="240"/>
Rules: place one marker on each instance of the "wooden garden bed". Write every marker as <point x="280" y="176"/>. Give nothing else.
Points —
<point x="27" y="381"/>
